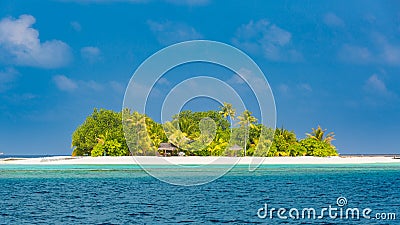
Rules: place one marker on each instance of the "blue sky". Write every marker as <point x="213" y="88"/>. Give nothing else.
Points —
<point x="335" y="63"/>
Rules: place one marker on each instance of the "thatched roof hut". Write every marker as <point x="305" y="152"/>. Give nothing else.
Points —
<point x="233" y="150"/>
<point x="167" y="147"/>
<point x="235" y="147"/>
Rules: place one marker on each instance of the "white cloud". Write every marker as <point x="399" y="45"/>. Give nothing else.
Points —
<point x="283" y="88"/>
<point x="370" y="18"/>
<point x="377" y="93"/>
<point x="304" y="87"/>
<point x="67" y="84"/>
<point x="355" y="54"/>
<point x="7" y="76"/>
<point x="90" y="53"/>
<point x="173" y="32"/>
<point x="91" y="84"/>
<point x="64" y="83"/>
<point x="388" y="52"/>
<point x="374" y="85"/>
<point x="262" y="37"/>
<point x="235" y="79"/>
<point x="117" y="87"/>
<point x="76" y="26"/>
<point x="332" y="20"/>
<point x="20" y="98"/>
<point x="257" y="83"/>
<point x="20" y="45"/>
<point x="163" y="81"/>
<point x="292" y="90"/>
<point x="380" y="51"/>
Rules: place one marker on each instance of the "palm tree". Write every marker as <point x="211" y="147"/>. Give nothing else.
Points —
<point x="246" y="120"/>
<point x="101" y="140"/>
<point x="228" y="110"/>
<point x="188" y="127"/>
<point x="319" y="134"/>
<point x="137" y="134"/>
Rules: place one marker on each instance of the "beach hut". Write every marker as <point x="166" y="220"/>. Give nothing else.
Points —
<point x="235" y="148"/>
<point x="167" y="148"/>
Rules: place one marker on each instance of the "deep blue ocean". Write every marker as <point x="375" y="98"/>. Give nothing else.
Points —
<point x="124" y="194"/>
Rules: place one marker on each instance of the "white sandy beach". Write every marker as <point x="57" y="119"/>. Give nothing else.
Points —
<point x="195" y="160"/>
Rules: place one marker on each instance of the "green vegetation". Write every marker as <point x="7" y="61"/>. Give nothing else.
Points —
<point x="100" y="134"/>
<point x="195" y="133"/>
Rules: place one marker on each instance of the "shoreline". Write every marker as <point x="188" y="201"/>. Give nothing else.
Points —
<point x="197" y="160"/>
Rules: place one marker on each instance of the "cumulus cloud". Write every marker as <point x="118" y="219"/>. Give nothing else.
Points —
<point x="356" y="54"/>
<point x="252" y="78"/>
<point x="283" y="88"/>
<point x="173" y="32"/>
<point x="304" y="87"/>
<point x="117" y="86"/>
<point x="163" y="81"/>
<point x="236" y="79"/>
<point x="377" y="92"/>
<point x="20" y="45"/>
<point x="379" y="51"/>
<point x="7" y="76"/>
<point x="64" y="83"/>
<point x="263" y="37"/>
<point x="76" y="26"/>
<point x="294" y="90"/>
<point x="92" y="85"/>
<point x="20" y="97"/>
<point x="370" y="18"/>
<point x="387" y="52"/>
<point x="333" y="20"/>
<point x="90" y="53"/>
<point x="375" y="85"/>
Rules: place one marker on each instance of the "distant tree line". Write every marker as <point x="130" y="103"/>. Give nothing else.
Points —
<point x="103" y="134"/>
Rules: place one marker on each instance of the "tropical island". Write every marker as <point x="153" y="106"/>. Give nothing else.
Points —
<point x="203" y="136"/>
<point x="222" y="134"/>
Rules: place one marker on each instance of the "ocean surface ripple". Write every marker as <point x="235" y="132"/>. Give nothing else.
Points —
<point x="122" y="194"/>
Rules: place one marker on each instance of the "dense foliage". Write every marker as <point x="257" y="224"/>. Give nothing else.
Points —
<point x="195" y="133"/>
<point x="101" y="132"/>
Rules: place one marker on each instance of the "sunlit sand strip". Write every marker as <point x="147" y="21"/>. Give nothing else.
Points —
<point x="194" y="160"/>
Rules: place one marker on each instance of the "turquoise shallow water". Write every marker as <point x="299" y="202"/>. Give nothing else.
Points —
<point x="124" y="194"/>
